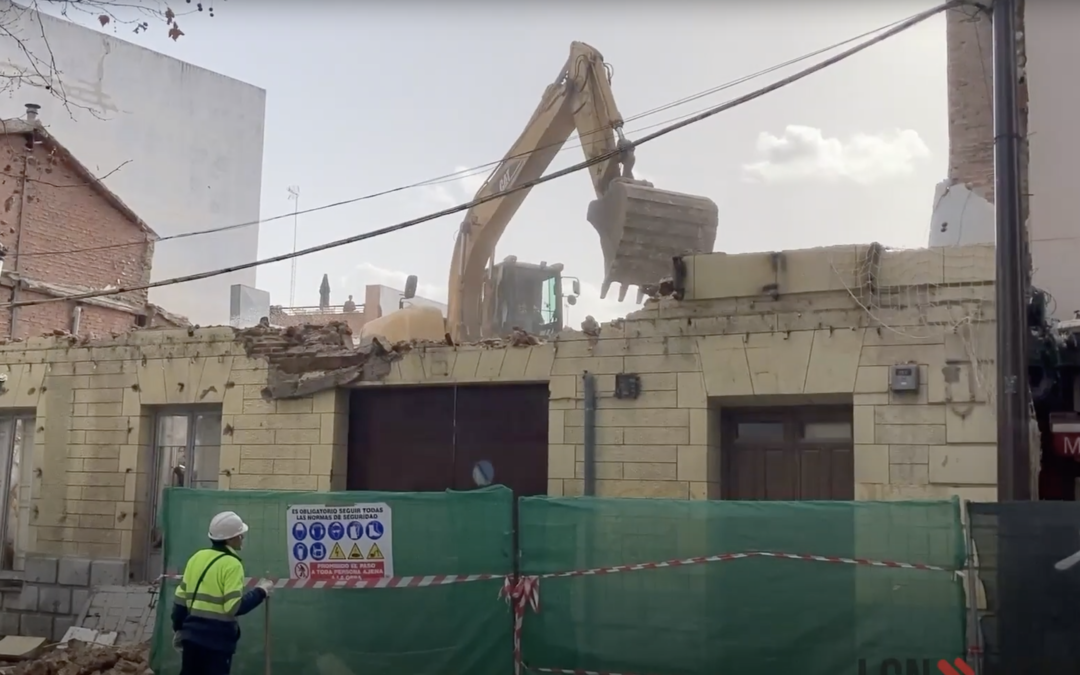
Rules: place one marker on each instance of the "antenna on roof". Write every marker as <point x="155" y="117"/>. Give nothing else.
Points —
<point x="294" y="196"/>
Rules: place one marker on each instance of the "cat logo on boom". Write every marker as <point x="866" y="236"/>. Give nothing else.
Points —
<point x="374" y="553"/>
<point x="355" y="554"/>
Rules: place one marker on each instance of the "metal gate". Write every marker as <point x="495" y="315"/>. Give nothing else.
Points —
<point x="432" y="438"/>
<point x="1032" y="583"/>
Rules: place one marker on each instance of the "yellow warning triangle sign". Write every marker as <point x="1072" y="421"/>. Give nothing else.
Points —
<point x="355" y="553"/>
<point x="337" y="553"/>
<point x="374" y="553"/>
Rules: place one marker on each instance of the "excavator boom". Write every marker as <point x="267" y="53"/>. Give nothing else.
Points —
<point x="641" y="227"/>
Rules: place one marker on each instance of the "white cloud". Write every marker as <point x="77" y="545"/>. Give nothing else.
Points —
<point x="458" y="190"/>
<point x="804" y="153"/>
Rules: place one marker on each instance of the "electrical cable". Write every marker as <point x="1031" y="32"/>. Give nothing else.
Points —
<point x="476" y="170"/>
<point x="710" y="112"/>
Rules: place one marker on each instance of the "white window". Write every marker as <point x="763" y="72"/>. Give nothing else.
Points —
<point x="16" y="480"/>
<point x="187" y="453"/>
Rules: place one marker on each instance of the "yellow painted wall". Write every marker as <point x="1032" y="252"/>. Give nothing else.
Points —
<point x="94" y="431"/>
<point x="729" y="342"/>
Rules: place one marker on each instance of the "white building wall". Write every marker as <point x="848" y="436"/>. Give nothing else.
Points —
<point x="390" y="299"/>
<point x="1053" y="52"/>
<point x="190" y="141"/>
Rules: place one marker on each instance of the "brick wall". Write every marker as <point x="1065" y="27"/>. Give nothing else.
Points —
<point x="42" y="319"/>
<point x="55" y="210"/>
<point x="970" y="49"/>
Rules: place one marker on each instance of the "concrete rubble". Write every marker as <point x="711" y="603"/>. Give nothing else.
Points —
<point x="310" y="358"/>
<point x="79" y="658"/>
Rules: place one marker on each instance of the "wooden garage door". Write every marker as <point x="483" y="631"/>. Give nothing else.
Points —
<point x="422" y="439"/>
<point x="788" y="453"/>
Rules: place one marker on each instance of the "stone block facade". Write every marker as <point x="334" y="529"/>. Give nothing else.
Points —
<point x="787" y="328"/>
<point x="94" y="403"/>
<point x="54" y="593"/>
<point x="795" y="327"/>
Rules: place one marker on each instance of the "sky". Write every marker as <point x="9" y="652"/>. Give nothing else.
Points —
<point x="367" y="96"/>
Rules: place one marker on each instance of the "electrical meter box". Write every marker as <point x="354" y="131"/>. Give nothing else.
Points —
<point x="904" y="377"/>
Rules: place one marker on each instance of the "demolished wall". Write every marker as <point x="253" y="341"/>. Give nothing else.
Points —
<point x="792" y="326"/>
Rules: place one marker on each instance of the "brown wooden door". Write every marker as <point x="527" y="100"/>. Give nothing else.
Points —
<point x="419" y="439"/>
<point x="789" y="454"/>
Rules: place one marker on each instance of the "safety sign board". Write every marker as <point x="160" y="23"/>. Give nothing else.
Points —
<point x="340" y="543"/>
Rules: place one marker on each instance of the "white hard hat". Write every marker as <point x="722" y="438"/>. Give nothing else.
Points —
<point x="226" y="525"/>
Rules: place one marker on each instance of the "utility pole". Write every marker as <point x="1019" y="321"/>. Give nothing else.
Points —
<point x="1014" y="464"/>
<point x="294" y="196"/>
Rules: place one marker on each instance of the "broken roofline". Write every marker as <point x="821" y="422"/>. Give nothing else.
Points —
<point x="120" y="305"/>
<point x="21" y="127"/>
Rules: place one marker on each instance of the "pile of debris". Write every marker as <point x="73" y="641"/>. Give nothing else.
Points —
<point x="80" y="658"/>
<point x="265" y="339"/>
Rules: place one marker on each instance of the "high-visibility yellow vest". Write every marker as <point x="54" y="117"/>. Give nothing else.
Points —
<point x="213" y="584"/>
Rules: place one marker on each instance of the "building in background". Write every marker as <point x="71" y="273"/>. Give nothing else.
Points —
<point x="964" y="211"/>
<point x="247" y="306"/>
<point x="182" y="146"/>
<point x="378" y="301"/>
<point x="52" y="202"/>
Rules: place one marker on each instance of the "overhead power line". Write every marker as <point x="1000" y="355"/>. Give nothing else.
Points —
<point x="488" y="166"/>
<point x="710" y="112"/>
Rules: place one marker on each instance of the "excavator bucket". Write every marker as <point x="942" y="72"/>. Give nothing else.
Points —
<point x="642" y="228"/>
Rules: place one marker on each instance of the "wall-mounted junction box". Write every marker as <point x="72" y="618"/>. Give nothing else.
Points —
<point x="904" y="377"/>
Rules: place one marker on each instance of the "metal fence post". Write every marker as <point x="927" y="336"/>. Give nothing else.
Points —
<point x="974" y="632"/>
<point x="589" y="390"/>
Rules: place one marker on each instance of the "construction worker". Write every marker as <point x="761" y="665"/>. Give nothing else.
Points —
<point x="210" y="598"/>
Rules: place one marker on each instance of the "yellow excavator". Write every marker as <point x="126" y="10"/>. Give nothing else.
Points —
<point x="641" y="228"/>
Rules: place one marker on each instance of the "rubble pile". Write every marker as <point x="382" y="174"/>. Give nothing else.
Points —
<point x="80" y="658"/>
<point x="264" y="339"/>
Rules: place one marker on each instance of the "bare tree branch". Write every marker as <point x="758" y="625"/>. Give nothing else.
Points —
<point x="21" y="25"/>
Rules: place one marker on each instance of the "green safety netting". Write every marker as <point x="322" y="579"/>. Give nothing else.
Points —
<point x="458" y="628"/>
<point x="776" y="616"/>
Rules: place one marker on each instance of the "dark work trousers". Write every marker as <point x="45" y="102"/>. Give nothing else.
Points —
<point x="196" y="660"/>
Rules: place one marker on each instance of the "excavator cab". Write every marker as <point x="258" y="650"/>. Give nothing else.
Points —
<point x="525" y="296"/>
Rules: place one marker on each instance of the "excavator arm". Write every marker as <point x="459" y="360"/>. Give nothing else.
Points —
<point x="631" y="217"/>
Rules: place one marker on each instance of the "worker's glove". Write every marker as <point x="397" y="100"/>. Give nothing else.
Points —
<point x="177" y="644"/>
<point x="266" y="585"/>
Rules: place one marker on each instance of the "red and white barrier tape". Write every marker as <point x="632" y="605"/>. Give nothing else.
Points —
<point x="388" y="582"/>
<point x="446" y="579"/>
<point x="561" y="671"/>
<point x="524" y="592"/>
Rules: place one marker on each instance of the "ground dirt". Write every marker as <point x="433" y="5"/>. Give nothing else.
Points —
<point x="79" y="658"/>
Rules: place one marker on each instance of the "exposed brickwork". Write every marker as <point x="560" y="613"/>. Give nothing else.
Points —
<point x="54" y="209"/>
<point x="46" y="318"/>
<point x="291" y="316"/>
<point x="970" y="63"/>
<point x="971" y="86"/>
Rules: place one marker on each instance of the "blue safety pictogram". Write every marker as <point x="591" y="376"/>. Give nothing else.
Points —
<point x="336" y="531"/>
<point x="374" y="530"/>
<point x="299" y="532"/>
<point x="317" y="531"/>
<point x="300" y="551"/>
<point x="318" y="551"/>
<point x="355" y="530"/>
